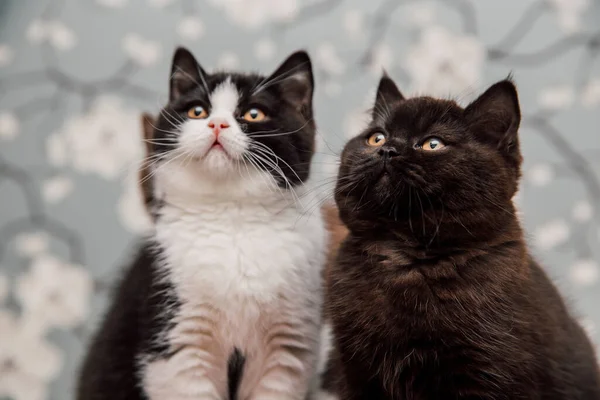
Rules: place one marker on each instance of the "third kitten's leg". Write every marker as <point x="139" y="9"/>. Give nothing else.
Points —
<point x="289" y="366"/>
<point x="184" y="376"/>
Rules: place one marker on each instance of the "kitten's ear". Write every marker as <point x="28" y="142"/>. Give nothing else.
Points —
<point x="185" y="73"/>
<point x="387" y="94"/>
<point x="295" y="78"/>
<point x="496" y="115"/>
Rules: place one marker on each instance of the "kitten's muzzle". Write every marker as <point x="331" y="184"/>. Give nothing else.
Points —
<point x="388" y="152"/>
<point x="217" y="125"/>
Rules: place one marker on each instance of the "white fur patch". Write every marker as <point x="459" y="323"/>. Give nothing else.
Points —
<point x="224" y="99"/>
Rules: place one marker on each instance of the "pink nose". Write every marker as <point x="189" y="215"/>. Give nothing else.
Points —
<point x="217" y="124"/>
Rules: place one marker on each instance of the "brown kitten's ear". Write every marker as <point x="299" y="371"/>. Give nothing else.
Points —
<point x="295" y="78"/>
<point x="186" y="73"/>
<point x="387" y="95"/>
<point x="148" y="122"/>
<point x="496" y="115"/>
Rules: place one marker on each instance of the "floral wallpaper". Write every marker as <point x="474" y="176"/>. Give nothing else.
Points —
<point x="76" y="74"/>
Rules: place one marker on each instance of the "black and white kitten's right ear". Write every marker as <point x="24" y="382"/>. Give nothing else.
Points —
<point x="387" y="95"/>
<point x="295" y="78"/>
<point x="185" y="74"/>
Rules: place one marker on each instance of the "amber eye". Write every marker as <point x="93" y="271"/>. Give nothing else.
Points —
<point x="254" y="115"/>
<point x="197" y="112"/>
<point x="376" y="139"/>
<point x="433" y="144"/>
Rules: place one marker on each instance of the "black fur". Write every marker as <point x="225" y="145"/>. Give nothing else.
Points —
<point x="434" y="294"/>
<point x="235" y="371"/>
<point x="139" y="312"/>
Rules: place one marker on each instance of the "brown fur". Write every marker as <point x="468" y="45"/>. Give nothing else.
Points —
<point x="433" y="294"/>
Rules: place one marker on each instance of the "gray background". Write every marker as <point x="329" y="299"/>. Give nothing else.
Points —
<point x="75" y="74"/>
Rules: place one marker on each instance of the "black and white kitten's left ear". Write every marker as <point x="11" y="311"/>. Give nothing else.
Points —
<point x="495" y="116"/>
<point x="387" y="95"/>
<point x="295" y="78"/>
<point x="186" y="73"/>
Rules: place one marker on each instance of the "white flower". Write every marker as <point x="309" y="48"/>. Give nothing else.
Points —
<point x="190" y="28"/>
<point x="6" y="55"/>
<point x="354" y="22"/>
<point x="57" y="188"/>
<point x="37" y="31"/>
<point x="591" y="93"/>
<point x="54" y="293"/>
<point x="443" y="63"/>
<point x="382" y="57"/>
<point x="328" y="59"/>
<point x="583" y="211"/>
<point x="9" y="125"/>
<point x="420" y="14"/>
<point x="540" y="174"/>
<point x="264" y="49"/>
<point x="3" y="288"/>
<point x="27" y="361"/>
<point x="32" y="243"/>
<point x="56" y="33"/>
<point x="61" y="37"/>
<point x="105" y="141"/>
<point x="112" y="3"/>
<point x="56" y="150"/>
<point x="569" y="13"/>
<point x="557" y="97"/>
<point x="255" y="13"/>
<point x="131" y="209"/>
<point x="160" y="3"/>
<point x="584" y="272"/>
<point x="144" y="52"/>
<point x="228" y="61"/>
<point x="551" y="234"/>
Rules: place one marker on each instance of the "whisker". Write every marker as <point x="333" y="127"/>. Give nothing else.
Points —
<point x="265" y="83"/>
<point x="271" y="152"/>
<point x="283" y="133"/>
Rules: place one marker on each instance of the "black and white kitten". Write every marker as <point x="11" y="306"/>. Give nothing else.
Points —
<point x="434" y="294"/>
<point x="224" y="301"/>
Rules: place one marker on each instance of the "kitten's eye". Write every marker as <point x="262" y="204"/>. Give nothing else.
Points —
<point x="376" y="139"/>
<point x="197" y="112"/>
<point x="254" y="115"/>
<point x="433" y="144"/>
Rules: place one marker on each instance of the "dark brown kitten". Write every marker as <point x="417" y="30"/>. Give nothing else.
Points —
<point x="434" y="294"/>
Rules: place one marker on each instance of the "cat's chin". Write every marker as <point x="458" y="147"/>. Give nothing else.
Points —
<point x="216" y="163"/>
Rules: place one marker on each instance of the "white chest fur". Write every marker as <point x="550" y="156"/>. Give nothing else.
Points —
<point x="247" y="276"/>
<point x="226" y="250"/>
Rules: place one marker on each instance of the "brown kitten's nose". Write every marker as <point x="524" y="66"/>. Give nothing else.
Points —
<point x="388" y="152"/>
<point x="217" y="124"/>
